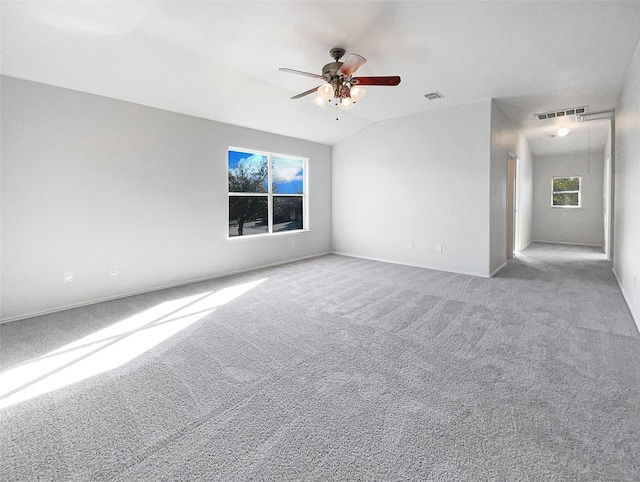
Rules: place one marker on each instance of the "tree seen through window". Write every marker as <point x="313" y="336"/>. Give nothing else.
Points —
<point x="565" y="192"/>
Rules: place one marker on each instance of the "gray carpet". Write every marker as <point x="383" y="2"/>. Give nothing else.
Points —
<point x="339" y="368"/>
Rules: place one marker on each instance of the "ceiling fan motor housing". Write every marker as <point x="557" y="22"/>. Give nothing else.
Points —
<point x="330" y="73"/>
<point x="331" y="69"/>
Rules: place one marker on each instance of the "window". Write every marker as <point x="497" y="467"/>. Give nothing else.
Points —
<point x="266" y="193"/>
<point x="565" y="192"/>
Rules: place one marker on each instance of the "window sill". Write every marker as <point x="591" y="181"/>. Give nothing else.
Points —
<point x="247" y="237"/>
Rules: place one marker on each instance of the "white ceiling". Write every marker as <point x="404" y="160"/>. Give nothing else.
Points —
<point x="219" y="60"/>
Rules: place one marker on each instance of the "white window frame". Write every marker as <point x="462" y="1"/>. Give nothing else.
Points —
<point x="270" y="194"/>
<point x="579" y="192"/>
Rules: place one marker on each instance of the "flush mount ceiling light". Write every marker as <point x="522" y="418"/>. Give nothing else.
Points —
<point x="563" y="131"/>
<point x="340" y="87"/>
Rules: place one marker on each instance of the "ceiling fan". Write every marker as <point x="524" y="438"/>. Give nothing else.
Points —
<point x="340" y="87"/>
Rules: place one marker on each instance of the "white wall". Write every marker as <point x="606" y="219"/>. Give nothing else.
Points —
<point x="505" y="139"/>
<point x="89" y="182"/>
<point x="582" y="225"/>
<point x="626" y="252"/>
<point x="422" y="179"/>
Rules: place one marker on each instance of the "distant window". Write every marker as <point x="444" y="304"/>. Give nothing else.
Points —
<point x="565" y="192"/>
<point x="266" y="193"/>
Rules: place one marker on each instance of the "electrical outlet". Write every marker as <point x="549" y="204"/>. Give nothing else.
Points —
<point x="68" y="277"/>
<point x="113" y="270"/>
<point x="410" y="244"/>
<point x="438" y="248"/>
<point x="293" y="242"/>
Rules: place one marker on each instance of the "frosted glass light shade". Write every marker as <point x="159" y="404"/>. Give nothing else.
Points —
<point x="319" y="101"/>
<point x="346" y="103"/>
<point x="357" y="93"/>
<point x="326" y="91"/>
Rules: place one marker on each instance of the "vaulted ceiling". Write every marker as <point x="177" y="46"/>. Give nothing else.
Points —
<point x="219" y="59"/>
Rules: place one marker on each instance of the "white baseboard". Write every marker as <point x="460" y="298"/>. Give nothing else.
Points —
<point x="569" y="244"/>
<point x="527" y="245"/>
<point x="495" y="272"/>
<point x="634" y="314"/>
<point x="156" y="288"/>
<point x="382" y="260"/>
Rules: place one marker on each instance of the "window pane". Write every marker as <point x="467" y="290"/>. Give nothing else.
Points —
<point x="565" y="199"/>
<point x="287" y="176"/>
<point x="287" y="213"/>
<point x="566" y="184"/>
<point x="248" y="215"/>
<point x="247" y="172"/>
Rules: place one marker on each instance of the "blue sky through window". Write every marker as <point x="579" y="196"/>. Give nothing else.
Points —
<point x="253" y="159"/>
<point x="287" y="175"/>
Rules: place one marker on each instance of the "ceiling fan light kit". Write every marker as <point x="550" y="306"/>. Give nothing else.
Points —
<point x="326" y="92"/>
<point x="340" y="87"/>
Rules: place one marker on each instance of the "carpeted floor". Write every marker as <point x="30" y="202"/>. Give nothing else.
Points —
<point x="335" y="368"/>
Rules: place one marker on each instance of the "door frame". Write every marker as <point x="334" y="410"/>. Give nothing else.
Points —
<point x="511" y="204"/>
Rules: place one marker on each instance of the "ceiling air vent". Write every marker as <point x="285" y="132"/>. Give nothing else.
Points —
<point x="561" y="113"/>
<point x="434" y="95"/>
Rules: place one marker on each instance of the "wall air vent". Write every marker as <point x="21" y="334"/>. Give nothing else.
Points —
<point x="561" y="113"/>
<point x="434" y="95"/>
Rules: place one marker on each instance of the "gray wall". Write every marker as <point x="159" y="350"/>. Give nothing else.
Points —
<point x="626" y="251"/>
<point x="437" y="178"/>
<point x="422" y="179"/>
<point x="412" y="180"/>
<point x="582" y="225"/>
<point x="89" y="182"/>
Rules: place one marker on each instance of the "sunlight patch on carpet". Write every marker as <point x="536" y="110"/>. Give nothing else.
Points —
<point x="111" y="347"/>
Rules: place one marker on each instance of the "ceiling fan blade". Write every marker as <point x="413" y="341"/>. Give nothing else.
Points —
<point x="390" y="80"/>
<point x="310" y="91"/>
<point x="353" y="63"/>
<point x="299" y="72"/>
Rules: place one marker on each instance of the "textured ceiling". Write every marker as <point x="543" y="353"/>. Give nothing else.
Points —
<point x="219" y="60"/>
